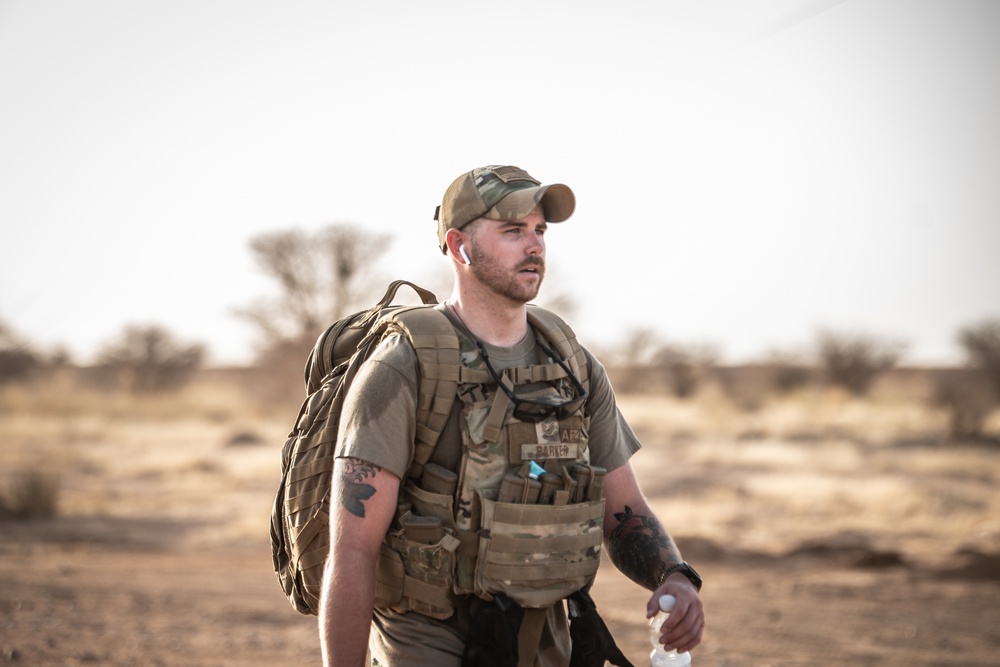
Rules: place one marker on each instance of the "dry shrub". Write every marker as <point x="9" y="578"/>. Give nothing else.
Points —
<point x="969" y="400"/>
<point x="750" y="387"/>
<point x="30" y="495"/>
<point x="148" y="360"/>
<point x="982" y="348"/>
<point x="853" y="360"/>
<point x="18" y="362"/>
<point x="682" y="368"/>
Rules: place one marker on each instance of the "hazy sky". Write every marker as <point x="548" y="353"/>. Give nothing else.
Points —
<point x="746" y="171"/>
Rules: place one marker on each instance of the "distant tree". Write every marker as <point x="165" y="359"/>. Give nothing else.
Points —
<point x="854" y="360"/>
<point x="684" y="367"/>
<point x="322" y="276"/>
<point x="788" y="369"/>
<point x="18" y="362"/>
<point x="966" y="395"/>
<point x="971" y="394"/>
<point x="981" y="343"/>
<point x="148" y="359"/>
<point x="640" y="344"/>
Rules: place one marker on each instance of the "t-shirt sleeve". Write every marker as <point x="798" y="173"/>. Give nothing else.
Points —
<point x="378" y="422"/>
<point x="612" y="442"/>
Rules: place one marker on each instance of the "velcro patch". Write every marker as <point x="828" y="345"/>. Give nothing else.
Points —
<point x="546" y="451"/>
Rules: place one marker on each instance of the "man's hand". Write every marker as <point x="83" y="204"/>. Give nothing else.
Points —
<point x="683" y="628"/>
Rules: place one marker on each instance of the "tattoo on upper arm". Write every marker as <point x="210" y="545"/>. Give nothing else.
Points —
<point x="639" y="545"/>
<point x="354" y="489"/>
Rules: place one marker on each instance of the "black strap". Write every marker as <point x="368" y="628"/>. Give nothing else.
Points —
<point x="592" y="641"/>
<point x="493" y="631"/>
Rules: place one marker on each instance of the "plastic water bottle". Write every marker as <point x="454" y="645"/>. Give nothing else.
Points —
<point x="660" y="657"/>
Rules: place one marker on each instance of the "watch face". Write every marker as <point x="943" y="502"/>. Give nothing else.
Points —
<point x="690" y="573"/>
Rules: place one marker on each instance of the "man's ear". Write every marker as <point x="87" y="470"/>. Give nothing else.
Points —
<point x="455" y="242"/>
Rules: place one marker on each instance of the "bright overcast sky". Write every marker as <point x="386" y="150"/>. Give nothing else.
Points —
<point x="746" y="171"/>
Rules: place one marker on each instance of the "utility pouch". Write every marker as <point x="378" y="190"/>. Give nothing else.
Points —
<point x="424" y="503"/>
<point x="518" y="489"/>
<point x="427" y="585"/>
<point x="426" y="547"/>
<point x="590" y="482"/>
<point x="537" y="554"/>
<point x="389" y="577"/>
<point x="436" y="479"/>
<point x="550" y="484"/>
<point x="423" y="529"/>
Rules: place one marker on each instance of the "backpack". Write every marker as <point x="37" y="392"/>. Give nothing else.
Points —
<point x="300" y="516"/>
<point x="300" y="538"/>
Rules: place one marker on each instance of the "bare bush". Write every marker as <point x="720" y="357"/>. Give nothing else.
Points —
<point x="321" y="277"/>
<point x="148" y="359"/>
<point x="18" y="362"/>
<point x="966" y="395"/>
<point x="970" y="396"/>
<point x="981" y="343"/>
<point x="31" y="495"/>
<point x="854" y="360"/>
<point x="789" y="371"/>
<point x="683" y="367"/>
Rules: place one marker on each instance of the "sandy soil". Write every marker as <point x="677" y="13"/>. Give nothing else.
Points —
<point x="819" y="545"/>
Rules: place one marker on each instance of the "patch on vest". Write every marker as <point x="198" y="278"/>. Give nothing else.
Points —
<point x="546" y="451"/>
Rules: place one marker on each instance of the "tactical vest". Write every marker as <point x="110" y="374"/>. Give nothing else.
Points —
<point x="523" y="515"/>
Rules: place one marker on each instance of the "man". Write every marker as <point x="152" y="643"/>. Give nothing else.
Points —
<point x="492" y="223"/>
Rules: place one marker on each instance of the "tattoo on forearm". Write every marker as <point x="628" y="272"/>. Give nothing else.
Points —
<point x="354" y="489"/>
<point x="641" y="548"/>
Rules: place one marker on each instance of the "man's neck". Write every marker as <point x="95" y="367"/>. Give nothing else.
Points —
<point x="491" y="318"/>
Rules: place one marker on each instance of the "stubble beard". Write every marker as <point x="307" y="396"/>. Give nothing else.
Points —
<point x="505" y="283"/>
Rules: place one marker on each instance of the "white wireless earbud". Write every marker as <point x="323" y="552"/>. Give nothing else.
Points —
<point x="461" y="251"/>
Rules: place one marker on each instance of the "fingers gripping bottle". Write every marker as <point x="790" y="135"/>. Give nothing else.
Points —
<point x="660" y="657"/>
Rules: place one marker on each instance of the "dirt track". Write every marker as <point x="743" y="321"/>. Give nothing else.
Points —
<point x="818" y="547"/>
<point x="135" y="602"/>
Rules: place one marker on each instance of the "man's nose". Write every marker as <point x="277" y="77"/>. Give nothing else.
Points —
<point x="536" y="246"/>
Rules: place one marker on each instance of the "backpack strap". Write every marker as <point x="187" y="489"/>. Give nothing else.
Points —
<point x="559" y="334"/>
<point x="435" y="341"/>
<point x="334" y="347"/>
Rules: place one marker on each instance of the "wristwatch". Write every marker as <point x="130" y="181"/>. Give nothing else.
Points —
<point x="685" y="569"/>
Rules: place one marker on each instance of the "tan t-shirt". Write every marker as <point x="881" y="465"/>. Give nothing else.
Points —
<point x="378" y="425"/>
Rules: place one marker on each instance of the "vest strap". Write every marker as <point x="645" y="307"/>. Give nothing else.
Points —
<point x="530" y="636"/>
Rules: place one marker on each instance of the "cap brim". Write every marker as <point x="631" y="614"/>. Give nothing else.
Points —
<point x="557" y="202"/>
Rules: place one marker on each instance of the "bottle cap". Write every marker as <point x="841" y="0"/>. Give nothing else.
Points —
<point x="667" y="603"/>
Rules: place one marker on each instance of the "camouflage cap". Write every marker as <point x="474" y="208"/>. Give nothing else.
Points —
<point x="500" y="193"/>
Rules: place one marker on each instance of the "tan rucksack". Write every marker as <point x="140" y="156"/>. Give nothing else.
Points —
<point x="300" y="537"/>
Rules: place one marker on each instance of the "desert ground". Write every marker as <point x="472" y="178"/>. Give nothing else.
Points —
<point x="830" y="530"/>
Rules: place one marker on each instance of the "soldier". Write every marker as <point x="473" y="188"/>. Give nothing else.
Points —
<point x="469" y="563"/>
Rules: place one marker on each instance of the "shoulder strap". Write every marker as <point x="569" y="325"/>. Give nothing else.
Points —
<point x="341" y="339"/>
<point x="436" y="343"/>
<point x="559" y="334"/>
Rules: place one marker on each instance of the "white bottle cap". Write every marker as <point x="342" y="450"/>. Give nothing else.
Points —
<point x="667" y="603"/>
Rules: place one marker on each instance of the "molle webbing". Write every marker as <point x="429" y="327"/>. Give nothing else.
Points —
<point x="561" y="337"/>
<point x="434" y="339"/>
